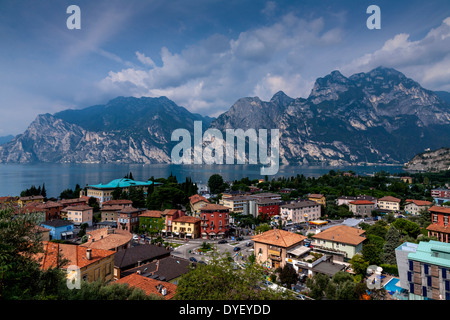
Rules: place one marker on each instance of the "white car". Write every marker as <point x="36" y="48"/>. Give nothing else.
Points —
<point x="136" y="237"/>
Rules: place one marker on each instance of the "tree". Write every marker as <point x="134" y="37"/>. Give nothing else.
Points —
<point x="288" y="275"/>
<point x="215" y="183"/>
<point x="20" y="274"/>
<point x="221" y="279"/>
<point x="359" y="264"/>
<point x="392" y="242"/>
<point x="318" y="285"/>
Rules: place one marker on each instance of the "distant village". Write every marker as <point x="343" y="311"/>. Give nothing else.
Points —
<point x="112" y="239"/>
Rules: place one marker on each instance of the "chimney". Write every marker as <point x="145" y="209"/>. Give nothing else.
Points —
<point x="164" y="291"/>
<point x="139" y="263"/>
<point x="89" y="254"/>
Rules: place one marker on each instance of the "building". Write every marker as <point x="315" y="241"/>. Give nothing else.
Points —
<point x="440" y="193"/>
<point x="196" y="202"/>
<point x="341" y="241"/>
<point x="272" y="247"/>
<point x="151" y="221"/>
<point x="26" y="200"/>
<point x="424" y="270"/>
<point x="136" y="256"/>
<point x="237" y="203"/>
<point x="43" y="232"/>
<point x="186" y="227"/>
<point x="79" y="214"/>
<point x="128" y="219"/>
<point x="168" y="269"/>
<point x="416" y="206"/>
<point x="168" y="216"/>
<point x="319" y="198"/>
<point x="408" y="180"/>
<point x="108" y="239"/>
<point x="74" y="202"/>
<point x="163" y="289"/>
<point x="265" y="208"/>
<point x="362" y="208"/>
<point x="59" y="229"/>
<point x="93" y="264"/>
<point x="345" y="200"/>
<point x="103" y="192"/>
<point x="110" y="209"/>
<point x="214" y="221"/>
<point x="300" y="211"/>
<point x="52" y="209"/>
<point x="439" y="223"/>
<point x="389" y="203"/>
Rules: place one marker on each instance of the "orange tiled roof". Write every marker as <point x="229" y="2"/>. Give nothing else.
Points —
<point x="151" y="214"/>
<point x="279" y="238"/>
<point x="344" y="234"/>
<point x="315" y="196"/>
<point x="107" y="239"/>
<point x="438" y="228"/>
<point x="419" y="202"/>
<point x="76" y="255"/>
<point x="187" y="219"/>
<point x="148" y="285"/>
<point x="118" y="201"/>
<point x="389" y="198"/>
<point x="440" y="209"/>
<point x="212" y="207"/>
<point x="196" y="198"/>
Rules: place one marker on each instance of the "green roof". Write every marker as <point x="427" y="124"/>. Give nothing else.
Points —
<point x="432" y="252"/>
<point x="123" y="183"/>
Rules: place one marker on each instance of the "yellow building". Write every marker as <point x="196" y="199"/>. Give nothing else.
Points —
<point x="23" y="201"/>
<point x="197" y="201"/>
<point x="389" y="203"/>
<point x="186" y="227"/>
<point x="319" y="198"/>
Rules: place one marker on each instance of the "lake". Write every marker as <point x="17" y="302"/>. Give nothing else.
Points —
<point x="17" y="177"/>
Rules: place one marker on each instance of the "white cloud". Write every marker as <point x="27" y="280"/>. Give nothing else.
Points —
<point x="210" y="75"/>
<point x="426" y="60"/>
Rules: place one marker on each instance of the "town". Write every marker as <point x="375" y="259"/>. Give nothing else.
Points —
<point x="337" y="237"/>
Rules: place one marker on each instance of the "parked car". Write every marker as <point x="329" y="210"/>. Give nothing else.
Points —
<point x="236" y="249"/>
<point x="192" y="259"/>
<point x="249" y="244"/>
<point x="222" y="241"/>
<point x="239" y="238"/>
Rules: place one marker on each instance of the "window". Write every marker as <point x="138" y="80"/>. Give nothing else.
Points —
<point x="435" y="218"/>
<point x="445" y="220"/>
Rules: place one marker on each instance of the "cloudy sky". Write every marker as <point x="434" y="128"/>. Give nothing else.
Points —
<point x="205" y="54"/>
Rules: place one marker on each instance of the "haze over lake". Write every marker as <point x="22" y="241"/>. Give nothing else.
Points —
<point x="17" y="177"/>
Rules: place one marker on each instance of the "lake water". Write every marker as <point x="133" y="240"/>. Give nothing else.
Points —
<point x="17" y="177"/>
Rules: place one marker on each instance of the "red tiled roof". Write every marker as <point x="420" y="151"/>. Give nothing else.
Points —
<point x="148" y="285"/>
<point x="357" y="202"/>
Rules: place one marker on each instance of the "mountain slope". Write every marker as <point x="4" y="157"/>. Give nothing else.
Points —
<point x="128" y="130"/>
<point x="375" y="117"/>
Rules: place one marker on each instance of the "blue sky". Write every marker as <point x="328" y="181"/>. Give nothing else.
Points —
<point x="205" y="54"/>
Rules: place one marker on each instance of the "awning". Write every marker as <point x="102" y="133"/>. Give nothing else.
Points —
<point x="188" y="234"/>
<point x="299" y="250"/>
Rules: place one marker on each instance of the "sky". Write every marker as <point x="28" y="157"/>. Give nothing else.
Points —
<point x="205" y="54"/>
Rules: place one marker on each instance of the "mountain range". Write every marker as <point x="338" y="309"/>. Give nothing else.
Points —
<point x="376" y="117"/>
